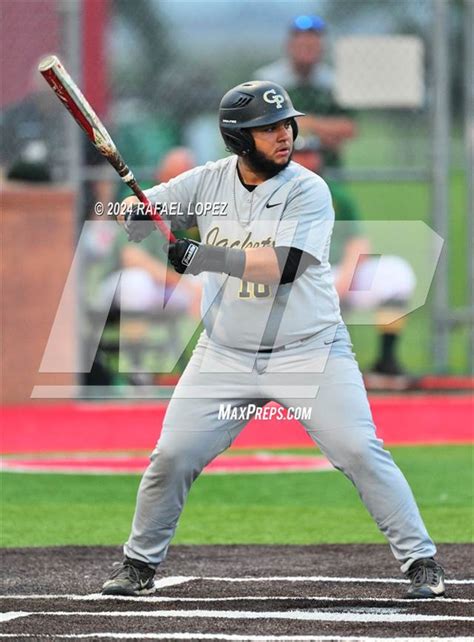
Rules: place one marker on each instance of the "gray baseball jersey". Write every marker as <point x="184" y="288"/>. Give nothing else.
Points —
<point x="293" y="209"/>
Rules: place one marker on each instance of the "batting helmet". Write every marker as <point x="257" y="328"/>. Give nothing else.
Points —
<point x="253" y="104"/>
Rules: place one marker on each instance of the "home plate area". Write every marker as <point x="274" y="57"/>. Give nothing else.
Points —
<point x="325" y="592"/>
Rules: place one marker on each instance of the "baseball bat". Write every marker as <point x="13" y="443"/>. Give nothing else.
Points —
<point x="72" y="98"/>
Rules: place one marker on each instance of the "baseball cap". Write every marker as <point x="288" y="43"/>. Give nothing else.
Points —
<point x="307" y="23"/>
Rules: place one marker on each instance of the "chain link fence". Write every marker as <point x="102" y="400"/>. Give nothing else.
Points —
<point x="31" y="120"/>
<point x="172" y="63"/>
<point x="167" y="64"/>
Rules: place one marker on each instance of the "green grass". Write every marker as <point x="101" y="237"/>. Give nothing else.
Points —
<point x="291" y="508"/>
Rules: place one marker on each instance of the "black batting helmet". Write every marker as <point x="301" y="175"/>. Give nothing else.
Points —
<point x="253" y="104"/>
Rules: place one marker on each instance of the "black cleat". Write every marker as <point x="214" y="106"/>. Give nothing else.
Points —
<point x="133" y="577"/>
<point x="426" y="579"/>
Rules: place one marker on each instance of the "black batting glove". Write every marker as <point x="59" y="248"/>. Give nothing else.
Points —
<point x="190" y="257"/>
<point x="184" y="256"/>
<point x="138" y="222"/>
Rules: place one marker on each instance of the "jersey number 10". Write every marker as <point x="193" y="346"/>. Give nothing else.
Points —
<point x="258" y="290"/>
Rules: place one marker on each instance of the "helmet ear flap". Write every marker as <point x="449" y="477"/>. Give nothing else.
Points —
<point x="248" y="143"/>
<point x="239" y="142"/>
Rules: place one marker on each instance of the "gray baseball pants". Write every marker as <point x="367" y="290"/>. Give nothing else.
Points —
<point x="320" y="372"/>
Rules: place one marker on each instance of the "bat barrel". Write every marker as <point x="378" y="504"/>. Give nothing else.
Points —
<point x="72" y="98"/>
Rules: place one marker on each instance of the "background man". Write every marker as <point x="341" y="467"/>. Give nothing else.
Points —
<point x="310" y="83"/>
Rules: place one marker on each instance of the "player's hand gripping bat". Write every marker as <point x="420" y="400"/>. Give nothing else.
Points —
<point x="72" y="98"/>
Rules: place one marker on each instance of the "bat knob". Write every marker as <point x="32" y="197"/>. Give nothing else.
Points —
<point x="48" y="62"/>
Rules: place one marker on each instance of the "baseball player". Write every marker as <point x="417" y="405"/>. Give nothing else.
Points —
<point x="273" y="331"/>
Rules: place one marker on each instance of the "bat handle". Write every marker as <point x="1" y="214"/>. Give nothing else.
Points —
<point x="160" y="224"/>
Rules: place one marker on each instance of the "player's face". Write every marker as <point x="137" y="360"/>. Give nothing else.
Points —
<point x="275" y="141"/>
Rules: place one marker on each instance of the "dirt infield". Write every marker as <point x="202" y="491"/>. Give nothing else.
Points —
<point x="234" y="593"/>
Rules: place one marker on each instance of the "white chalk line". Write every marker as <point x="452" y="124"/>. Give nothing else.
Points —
<point x="13" y="615"/>
<point x="175" y="580"/>
<point x="178" y="579"/>
<point x="170" y="581"/>
<point x="153" y="599"/>
<point x="322" y="578"/>
<point x="234" y="637"/>
<point x="163" y="582"/>
<point x="303" y="615"/>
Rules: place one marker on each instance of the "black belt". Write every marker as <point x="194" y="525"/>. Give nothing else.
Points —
<point x="268" y="350"/>
<point x="262" y="350"/>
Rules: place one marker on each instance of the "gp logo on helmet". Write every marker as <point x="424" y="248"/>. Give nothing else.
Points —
<point x="271" y="97"/>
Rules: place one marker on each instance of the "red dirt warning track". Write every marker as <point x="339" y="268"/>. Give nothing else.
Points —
<point x="423" y="419"/>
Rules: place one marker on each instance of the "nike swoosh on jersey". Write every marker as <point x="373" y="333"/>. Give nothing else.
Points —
<point x="272" y="205"/>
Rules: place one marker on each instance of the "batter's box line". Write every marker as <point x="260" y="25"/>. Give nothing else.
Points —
<point x="322" y="578"/>
<point x="298" y="615"/>
<point x="153" y="599"/>
<point x="176" y="580"/>
<point x="232" y="637"/>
